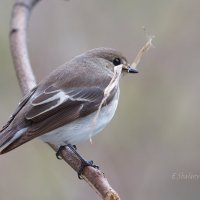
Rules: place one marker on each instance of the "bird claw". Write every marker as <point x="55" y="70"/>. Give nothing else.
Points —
<point x="58" y="153"/>
<point x="84" y="164"/>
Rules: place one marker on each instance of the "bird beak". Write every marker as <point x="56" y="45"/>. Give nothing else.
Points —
<point x="130" y="69"/>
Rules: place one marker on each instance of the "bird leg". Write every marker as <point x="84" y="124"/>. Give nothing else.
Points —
<point x="84" y="163"/>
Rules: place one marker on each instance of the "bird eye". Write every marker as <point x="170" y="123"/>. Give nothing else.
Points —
<point x="117" y="61"/>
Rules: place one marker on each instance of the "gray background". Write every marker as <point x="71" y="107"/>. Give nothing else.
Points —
<point x="154" y="137"/>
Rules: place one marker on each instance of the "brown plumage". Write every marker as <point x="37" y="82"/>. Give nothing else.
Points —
<point x="71" y="92"/>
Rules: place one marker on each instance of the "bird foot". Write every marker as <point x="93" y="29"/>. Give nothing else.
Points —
<point x="84" y="163"/>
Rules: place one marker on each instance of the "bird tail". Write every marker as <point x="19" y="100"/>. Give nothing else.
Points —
<point x="5" y="137"/>
<point x="8" y="137"/>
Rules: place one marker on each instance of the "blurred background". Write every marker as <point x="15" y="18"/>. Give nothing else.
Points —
<point x="151" y="148"/>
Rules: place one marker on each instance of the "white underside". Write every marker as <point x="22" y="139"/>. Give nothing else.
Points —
<point x="84" y="128"/>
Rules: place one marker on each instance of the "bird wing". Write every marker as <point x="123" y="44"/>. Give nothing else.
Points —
<point x="53" y="101"/>
<point x="7" y="133"/>
<point x="22" y="103"/>
<point x="55" y="107"/>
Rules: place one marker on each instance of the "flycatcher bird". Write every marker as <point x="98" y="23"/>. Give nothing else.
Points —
<point x="61" y="108"/>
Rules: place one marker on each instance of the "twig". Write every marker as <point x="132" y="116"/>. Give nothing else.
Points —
<point x="114" y="82"/>
<point x="142" y="51"/>
<point x="19" y="22"/>
<point x="117" y="73"/>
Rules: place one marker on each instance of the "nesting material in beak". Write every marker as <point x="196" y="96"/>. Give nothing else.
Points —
<point x="142" y="51"/>
<point x="117" y="73"/>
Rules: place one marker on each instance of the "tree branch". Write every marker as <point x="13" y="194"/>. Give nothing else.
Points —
<point x="19" y="22"/>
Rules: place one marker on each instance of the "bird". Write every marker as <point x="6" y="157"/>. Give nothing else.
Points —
<point x="61" y="109"/>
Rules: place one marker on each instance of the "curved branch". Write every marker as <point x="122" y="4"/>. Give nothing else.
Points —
<point x="19" y="22"/>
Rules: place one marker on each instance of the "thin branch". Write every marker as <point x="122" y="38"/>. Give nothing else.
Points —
<point x="19" y="22"/>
